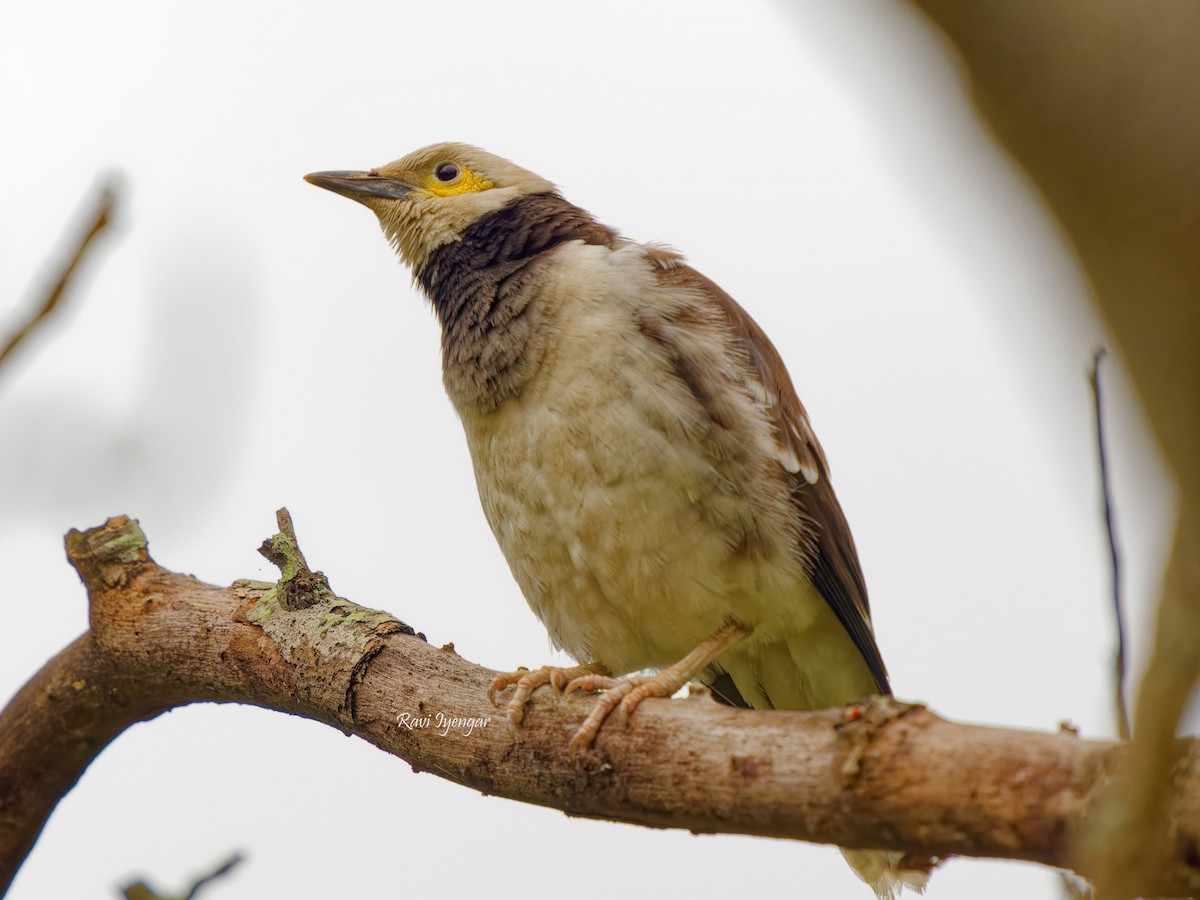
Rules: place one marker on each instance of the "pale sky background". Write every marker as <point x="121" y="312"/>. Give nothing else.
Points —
<point x="242" y="340"/>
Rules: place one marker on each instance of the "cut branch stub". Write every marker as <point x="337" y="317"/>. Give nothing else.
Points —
<point x="104" y="556"/>
<point x="299" y="587"/>
<point x="313" y="628"/>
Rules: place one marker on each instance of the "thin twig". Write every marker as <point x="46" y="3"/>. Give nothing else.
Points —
<point x="139" y="890"/>
<point x="99" y="220"/>
<point x="220" y="872"/>
<point x="1123" y="729"/>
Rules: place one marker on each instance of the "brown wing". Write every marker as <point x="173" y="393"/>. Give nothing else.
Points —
<point x="834" y="565"/>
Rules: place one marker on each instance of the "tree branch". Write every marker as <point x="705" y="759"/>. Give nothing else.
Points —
<point x="897" y="776"/>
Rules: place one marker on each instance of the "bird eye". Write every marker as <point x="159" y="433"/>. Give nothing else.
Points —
<point x="446" y="172"/>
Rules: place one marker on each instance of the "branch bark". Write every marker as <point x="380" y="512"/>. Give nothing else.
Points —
<point x="896" y="776"/>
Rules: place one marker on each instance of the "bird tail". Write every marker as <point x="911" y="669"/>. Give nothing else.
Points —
<point x="885" y="871"/>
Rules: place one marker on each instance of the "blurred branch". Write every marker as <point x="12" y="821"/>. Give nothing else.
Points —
<point x="1092" y="98"/>
<point x="139" y="890"/>
<point x="99" y="220"/>
<point x="897" y="776"/>
<point x="219" y="872"/>
<point x="1122" y="711"/>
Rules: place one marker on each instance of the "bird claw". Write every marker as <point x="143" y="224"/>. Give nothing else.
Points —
<point x="504" y="680"/>
<point x="529" y="680"/>
<point x="620" y="694"/>
<point x="559" y="680"/>
<point x="590" y="682"/>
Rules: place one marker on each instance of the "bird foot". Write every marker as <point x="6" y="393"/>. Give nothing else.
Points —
<point x="622" y="695"/>
<point x="625" y="693"/>
<point x="528" y="681"/>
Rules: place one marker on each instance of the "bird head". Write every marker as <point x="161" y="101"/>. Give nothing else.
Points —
<point x="430" y="197"/>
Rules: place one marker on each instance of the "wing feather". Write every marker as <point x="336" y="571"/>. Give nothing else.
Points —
<point x="835" y="569"/>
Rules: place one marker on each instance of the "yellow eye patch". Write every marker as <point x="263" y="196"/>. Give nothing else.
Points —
<point x="467" y="182"/>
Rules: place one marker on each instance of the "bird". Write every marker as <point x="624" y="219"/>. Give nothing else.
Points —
<point x="640" y="453"/>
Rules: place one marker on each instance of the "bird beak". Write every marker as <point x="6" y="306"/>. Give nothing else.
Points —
<point x="360" y="186"/>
